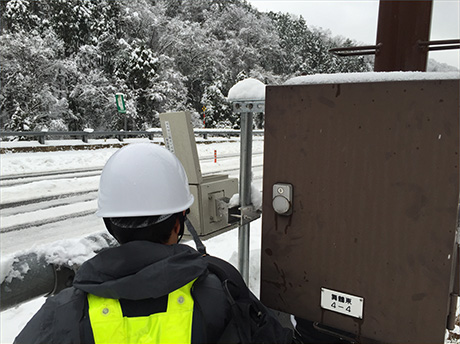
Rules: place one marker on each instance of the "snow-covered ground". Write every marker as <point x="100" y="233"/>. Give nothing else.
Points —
<point x="71" y="243"/>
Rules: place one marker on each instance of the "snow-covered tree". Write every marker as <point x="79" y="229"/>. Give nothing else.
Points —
<point x="218" y="108"/>
<point x="34" y="80"/>
<point x="306" y="50"/>
<point x="24" y="15"/>
<point x="92" y="102"/>
<point x="63" y="60"/>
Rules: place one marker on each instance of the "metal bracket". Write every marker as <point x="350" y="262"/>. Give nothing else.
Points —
<point x="249" y="106"/>
<point x="249" y="214"/>
<point x="357" y="51"/>
<point x="221" y="208"/>
<point x="242" y="215"/>
<point x="446" y="44"/>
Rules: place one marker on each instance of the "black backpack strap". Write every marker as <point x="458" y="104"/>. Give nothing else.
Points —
<point x="199" y="244"/>
<point x="251" y="321"/>
<point x="227" y="272"/>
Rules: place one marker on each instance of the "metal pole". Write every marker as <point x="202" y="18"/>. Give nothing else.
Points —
<point x="401" y="26"/>
<point x="245" y="192"/>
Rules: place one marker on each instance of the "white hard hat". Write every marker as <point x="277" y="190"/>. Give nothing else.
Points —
<point x="143" y="179"/>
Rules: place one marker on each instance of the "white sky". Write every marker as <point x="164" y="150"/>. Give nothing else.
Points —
<point x="357" y="19"/>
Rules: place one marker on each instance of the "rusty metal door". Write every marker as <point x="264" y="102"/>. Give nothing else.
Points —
<point x="375" y="183"/>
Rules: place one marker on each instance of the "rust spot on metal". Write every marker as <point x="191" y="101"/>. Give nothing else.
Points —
<point x="418" y="297"/>
<point x="337" y="93"/>
<point x="288" y="224"/>
<point x="329" y="103"/>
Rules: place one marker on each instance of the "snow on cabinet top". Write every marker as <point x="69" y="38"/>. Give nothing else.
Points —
<point x="344" y="78"/>
<point x="247" y="89"/>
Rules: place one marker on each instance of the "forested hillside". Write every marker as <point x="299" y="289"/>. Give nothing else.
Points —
<point x="62" y="61"/>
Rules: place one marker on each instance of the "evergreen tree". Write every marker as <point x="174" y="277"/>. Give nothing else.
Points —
<point x="218" y="108"/>
<point x="64" y="60"/>
<point x="34" y="81"/>
<point x="24" y="15"/>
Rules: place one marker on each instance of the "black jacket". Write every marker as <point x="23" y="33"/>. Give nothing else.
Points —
<point x="140" y="274"/>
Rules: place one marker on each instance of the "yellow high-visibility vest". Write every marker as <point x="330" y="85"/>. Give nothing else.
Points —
<point x="173" y="326"/>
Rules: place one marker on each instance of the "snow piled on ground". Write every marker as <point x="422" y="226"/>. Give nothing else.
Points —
<point x="17" y="163"/>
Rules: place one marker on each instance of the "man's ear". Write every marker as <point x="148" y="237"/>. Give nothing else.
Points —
<point x="176" y="228"/>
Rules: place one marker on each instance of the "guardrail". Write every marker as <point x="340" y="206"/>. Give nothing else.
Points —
<point x="41" y="136"/>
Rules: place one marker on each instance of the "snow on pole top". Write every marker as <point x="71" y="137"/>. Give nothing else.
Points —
<point x="343" y="78"/>
<point x="247" y="89"/>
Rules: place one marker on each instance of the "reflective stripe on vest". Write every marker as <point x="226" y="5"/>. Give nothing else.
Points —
<point x="173" y="326"/>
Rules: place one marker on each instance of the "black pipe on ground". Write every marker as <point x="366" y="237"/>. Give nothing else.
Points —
<point x="33" y="277"/>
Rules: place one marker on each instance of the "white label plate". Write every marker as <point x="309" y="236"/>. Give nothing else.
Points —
<point x="168" y="139"/>
<point x="336" y="301"/>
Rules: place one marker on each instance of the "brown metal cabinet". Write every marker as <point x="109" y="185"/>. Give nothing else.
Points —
<point x="375" y="193"/>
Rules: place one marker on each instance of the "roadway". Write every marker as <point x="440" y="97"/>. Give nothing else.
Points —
<point x="43" y="207"/>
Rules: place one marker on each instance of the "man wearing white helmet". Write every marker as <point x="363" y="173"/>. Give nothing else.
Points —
<point x="149" y="289"/>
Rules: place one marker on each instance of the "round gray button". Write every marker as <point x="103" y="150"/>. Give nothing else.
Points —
<point x="281" y="205"/>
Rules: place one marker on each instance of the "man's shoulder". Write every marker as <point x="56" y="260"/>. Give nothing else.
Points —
<point x="57" y="320"/>
<point x="66" y="297"/>
<point x="66" y="307"/>
<point x="227" y="272"/>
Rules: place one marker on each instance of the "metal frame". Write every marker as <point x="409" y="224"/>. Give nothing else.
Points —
<point x="42" y="135"/>
<point x="448" y="44"/>
<point x="246" y="108"/>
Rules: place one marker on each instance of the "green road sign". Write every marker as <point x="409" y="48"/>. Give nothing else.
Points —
<point x="119" y="99"/>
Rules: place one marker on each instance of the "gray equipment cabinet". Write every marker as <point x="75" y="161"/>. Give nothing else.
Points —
<point x="368" y="243"/>
<point x="209" y="213"/>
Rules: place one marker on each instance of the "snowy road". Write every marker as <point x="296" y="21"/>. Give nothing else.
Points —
<point x="21" y="179"/>
<point x="68" y="234"/>
<point x="43" y="208"/>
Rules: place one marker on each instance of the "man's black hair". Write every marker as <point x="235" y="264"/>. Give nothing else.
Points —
<point x="126" y="229"/>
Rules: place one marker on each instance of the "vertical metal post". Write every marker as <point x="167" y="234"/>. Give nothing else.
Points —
<point x="248" y="96"/>
<point x="401" y="26"/>
<point x="245" y="192"/>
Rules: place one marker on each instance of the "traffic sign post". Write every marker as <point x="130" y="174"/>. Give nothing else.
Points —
<point x="121" y="108"/>
<point x="204" y="121"/>
<point x="120" y="101"/>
